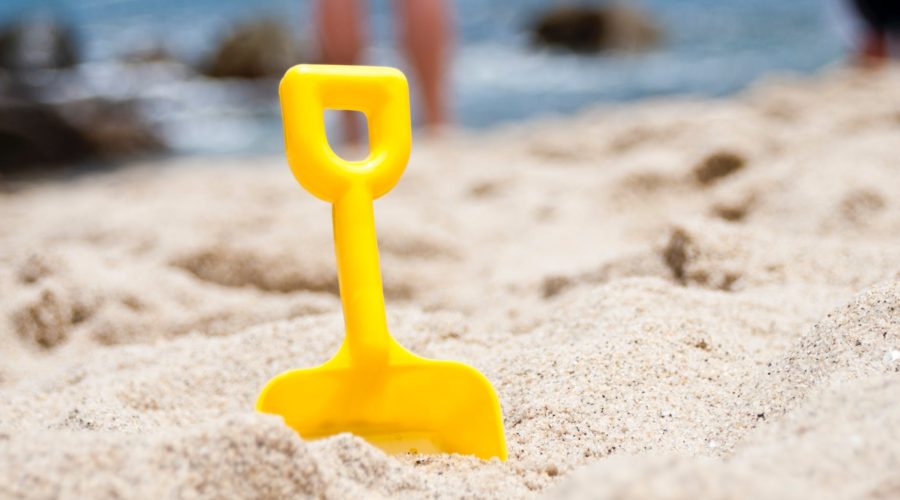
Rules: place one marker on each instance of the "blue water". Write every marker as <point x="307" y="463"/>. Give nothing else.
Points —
<point x="713" y="47"/>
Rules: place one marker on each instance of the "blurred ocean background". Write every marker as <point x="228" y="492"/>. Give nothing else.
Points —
<point x="711" y="48"/>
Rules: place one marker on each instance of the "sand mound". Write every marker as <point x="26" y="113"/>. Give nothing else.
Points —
<point x="665" y="312"/>
<point x="840" y="444"/>
<point x="234" y="456"/>
<point x="108" y="302"/>
<point x="856" y="342"/>
<point x="721" y="256"/>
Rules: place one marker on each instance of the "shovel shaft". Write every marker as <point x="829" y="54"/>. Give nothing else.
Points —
<point x="359" y="274"/>
<point x="382" y="95"/>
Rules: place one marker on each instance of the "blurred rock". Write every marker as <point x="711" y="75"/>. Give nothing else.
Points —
<point x="256" y="49"/>
<point x="593" y="29"/>
<point x="114" y="129"/>
<point x="35" y="135"/>
<point x="37" y="43"/>
<point x="154" y="53"/>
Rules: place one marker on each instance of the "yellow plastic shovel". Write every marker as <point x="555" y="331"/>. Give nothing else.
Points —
<point x="372" y="387"/>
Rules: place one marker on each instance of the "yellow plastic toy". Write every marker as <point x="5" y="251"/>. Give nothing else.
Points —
<point x="372" y="387"/>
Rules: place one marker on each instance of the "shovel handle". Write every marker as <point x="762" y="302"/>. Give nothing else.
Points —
<point x="382" y="94"/>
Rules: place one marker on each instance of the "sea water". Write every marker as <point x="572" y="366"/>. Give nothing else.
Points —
<point x="711" y="48"/>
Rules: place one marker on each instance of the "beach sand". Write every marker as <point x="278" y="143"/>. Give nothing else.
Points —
<point x="673" y="298"/>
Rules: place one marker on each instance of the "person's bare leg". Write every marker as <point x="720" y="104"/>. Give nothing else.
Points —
<point x="341" y="37"/>
<point x="874" y="50"/>
<point x="427" y="35"/>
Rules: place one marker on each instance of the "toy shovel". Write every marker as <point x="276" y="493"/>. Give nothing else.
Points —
<point x="372" y="387"/>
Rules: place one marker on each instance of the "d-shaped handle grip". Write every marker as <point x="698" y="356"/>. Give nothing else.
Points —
<point x="380" y="93"/>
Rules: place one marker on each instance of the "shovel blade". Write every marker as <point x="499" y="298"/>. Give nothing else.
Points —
<point x="417" y="405"/>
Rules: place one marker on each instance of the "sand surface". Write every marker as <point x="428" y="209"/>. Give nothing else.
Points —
<point x="673" y="299"/>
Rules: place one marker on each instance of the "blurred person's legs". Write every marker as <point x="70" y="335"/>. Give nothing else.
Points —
<point x="882" y="19"/>
<point x="341" y="35"/>
<point x="427" y="36"/>
<point x="874" y="46"/>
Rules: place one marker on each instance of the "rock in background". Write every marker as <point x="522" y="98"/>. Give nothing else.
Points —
<point x="594" y="29"/>
<point x="39" y="126"/>
<point x="256" y="49"/>
<point x="37" y="43"/>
